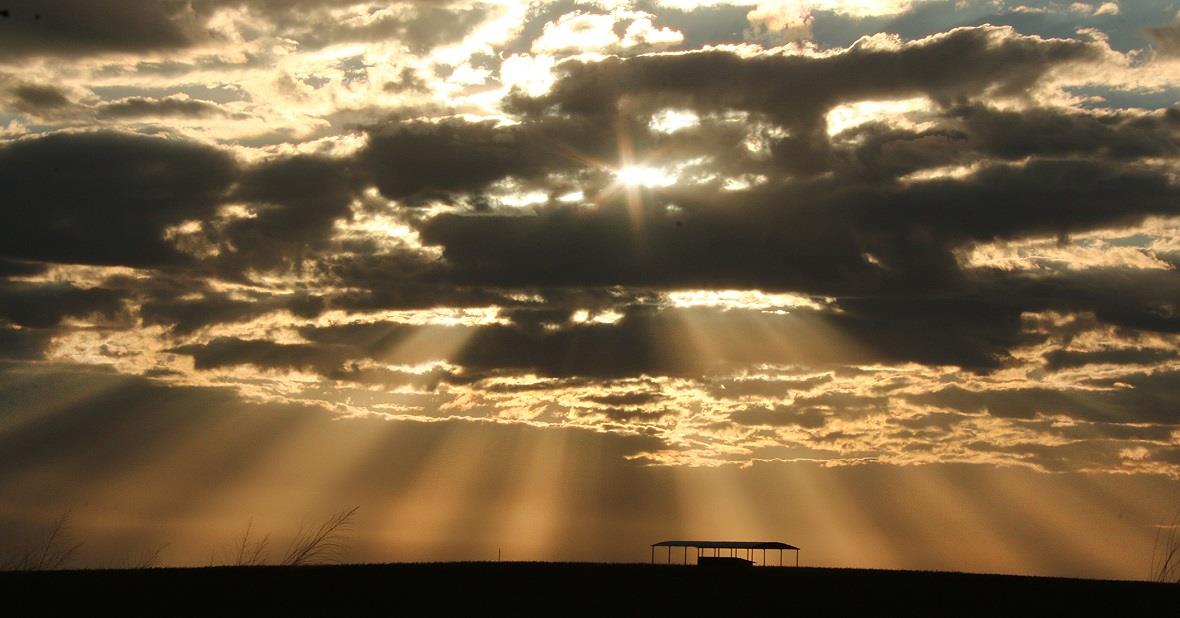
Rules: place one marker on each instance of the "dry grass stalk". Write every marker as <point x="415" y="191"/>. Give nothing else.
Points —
<point x="324" y="544"/>
<point x="1165" y="555"/>
<point x="250" y="552"/>
<point x="54" y="552"/>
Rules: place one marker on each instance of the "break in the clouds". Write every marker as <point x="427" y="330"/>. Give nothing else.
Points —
<point x="899" y="232"/>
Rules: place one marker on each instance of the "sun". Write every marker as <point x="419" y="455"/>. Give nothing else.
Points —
<point x="643" y="176"/>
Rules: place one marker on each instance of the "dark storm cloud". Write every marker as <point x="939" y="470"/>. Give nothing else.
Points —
<point x="105" y="198"/>
<point x="183" y="314"/>
<point x="30" y="312"/>
<point x="24" y="343"/>
<point x="418" y="161"/>
<point x="331" y="351"/>
<point x="975" y="325"/>
<point x="368" y="339"/>
<point x="788" y="415"/>
<point x="968" y="133"/>
<point x="1139" y="398"/>
<point x="72" y="28"/>
<point x="972" y="331"/>
<point x="803" y="236"/>
<point x="109" y="198"/>
<point x="408" y="160"/>
<point x="1064" y="359"/>
<point x="400" y="288"/>
<point x="79" y="27"/>
<point x="11" y="268"/>
<point x="295" y="202"/>
<point x="138" y="107"/>
<point x="1131" y="299"/>
<point x="35" y="99"/>
<point x="41" y="305"/>
<point x="986" y="59"/>
<point x="266" y="354"/>
<point x="1046" y="132"/>
<point x="796" y="91"/>
<point x="39" y="97"/>
<point x="335" y="361"/>
<point x="634" y="345"/>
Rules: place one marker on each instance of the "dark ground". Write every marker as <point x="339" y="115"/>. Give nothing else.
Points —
<point x="563" y="589"/>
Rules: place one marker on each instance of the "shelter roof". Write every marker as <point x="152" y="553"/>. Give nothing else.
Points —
<point x="726" y="544"/>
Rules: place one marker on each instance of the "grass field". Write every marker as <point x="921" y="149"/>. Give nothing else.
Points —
<point x="473" y="588"/>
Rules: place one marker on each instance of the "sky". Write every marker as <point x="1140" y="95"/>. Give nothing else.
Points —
<point x="894" y="281"/>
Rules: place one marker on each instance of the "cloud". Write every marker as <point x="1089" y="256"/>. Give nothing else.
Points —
<point x="104" y="197"/>
<point x="73" y="28"/>
<point x="24" y="343"/>
<point x="79" y="27"/>
<point x="1166" y="38"/>
<point x="223" y="352"/>
<point x="421" y="161"/>
<point x="419" y="26"/>
<point x="989" y="59"/>
<point x="806" y="417"/>
<point x="139" y="107"/>
<point x="733" y="389"/>
<point x="11" y="268"/>
<point x="41" y="305"/>
<point x="1065" y="359"/>
<point x="593" y="32"/>
<point x="183" y="314"/>
<point x="1141" y="398"/>
<point x="39" y="97"/>
<point x="293" y="202"/>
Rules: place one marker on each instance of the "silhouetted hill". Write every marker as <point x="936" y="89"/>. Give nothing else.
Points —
<point x="562" y="589"/>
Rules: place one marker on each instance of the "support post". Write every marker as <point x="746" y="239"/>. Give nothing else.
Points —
<point x="653" y="554"/>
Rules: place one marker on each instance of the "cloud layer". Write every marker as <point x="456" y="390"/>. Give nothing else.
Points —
<point x="911" y="248"/>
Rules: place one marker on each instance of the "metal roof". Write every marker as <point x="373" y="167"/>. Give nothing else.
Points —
<point x="726" y="544"/>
